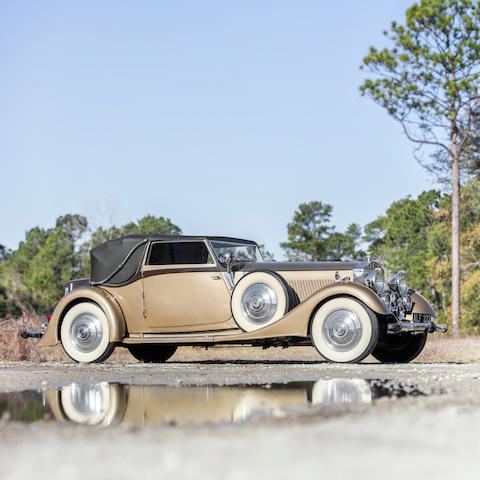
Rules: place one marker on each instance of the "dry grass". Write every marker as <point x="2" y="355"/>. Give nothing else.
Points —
<point x="439" y="348"/>
<point x="445" y="348"/>
<point x="15" y="348"/>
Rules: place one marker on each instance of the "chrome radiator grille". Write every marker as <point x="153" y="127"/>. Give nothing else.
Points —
<point x="305" y="288"/>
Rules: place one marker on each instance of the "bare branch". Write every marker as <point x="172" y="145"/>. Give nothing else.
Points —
<point x="423" y="141"/>
<point x="430" y="169"/>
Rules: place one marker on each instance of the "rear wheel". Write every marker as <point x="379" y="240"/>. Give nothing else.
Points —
<point x="344" y="330"/>
<point x="94" y="404"/>
<point x="152" y="353"/>
<point x="85" y="333"/>
<point x="400" y="348"/>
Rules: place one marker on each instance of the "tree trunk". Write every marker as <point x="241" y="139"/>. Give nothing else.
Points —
<point x="455" y="241"/>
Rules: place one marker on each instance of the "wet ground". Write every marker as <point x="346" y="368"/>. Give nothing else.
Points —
<point x="236" y="420"/>
<point x="109" y="404"/>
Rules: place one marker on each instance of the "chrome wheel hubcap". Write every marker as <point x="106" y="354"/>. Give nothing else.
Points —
<point x="259" y="303"/>
<point x="87" y="400"/>
<point x="86" y="332"/>
<point x="342" y="330"/>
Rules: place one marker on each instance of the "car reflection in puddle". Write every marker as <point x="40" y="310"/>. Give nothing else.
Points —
<point x="105" y="404"/>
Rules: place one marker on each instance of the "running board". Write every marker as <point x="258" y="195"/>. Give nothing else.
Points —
<point x="179" y="338"/>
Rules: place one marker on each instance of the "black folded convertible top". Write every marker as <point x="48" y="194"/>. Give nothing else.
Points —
<point x="115" y="261"/>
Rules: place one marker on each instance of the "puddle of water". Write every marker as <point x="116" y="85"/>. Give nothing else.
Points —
<point x="105" y="404"/>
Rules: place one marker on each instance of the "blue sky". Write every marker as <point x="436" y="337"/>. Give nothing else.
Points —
<point x="223" y="116"/>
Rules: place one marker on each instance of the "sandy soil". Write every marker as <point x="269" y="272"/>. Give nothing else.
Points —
<point x="432" y="436"/>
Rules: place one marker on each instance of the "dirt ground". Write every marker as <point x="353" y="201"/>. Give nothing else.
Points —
<point x="429" y="436"/>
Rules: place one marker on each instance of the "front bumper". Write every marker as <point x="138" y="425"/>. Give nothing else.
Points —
<point x="412" y="327"/>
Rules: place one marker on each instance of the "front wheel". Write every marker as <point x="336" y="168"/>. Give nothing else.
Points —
<point x="152" y="353"/>
<point x="400" y="348"/>
<point x="344" y="330"/>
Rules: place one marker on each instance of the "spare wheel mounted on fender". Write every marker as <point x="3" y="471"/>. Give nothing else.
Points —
<point x="259" y="299"/>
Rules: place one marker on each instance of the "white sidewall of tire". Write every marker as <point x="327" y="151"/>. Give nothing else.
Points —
<point x="83" y="418"/>
<point x="243" y="284"/>
<point x="323" y="388"/>
<point x="69" y="347"/>
<point x="317" y="327"/>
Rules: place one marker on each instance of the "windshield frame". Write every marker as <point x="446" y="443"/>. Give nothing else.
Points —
<point x="259" y="257"/>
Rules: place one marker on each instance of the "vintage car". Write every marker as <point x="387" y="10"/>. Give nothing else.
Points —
<point x="153" y="293"/>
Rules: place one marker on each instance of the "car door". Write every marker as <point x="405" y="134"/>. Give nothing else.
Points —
<point x="183" y="288"/>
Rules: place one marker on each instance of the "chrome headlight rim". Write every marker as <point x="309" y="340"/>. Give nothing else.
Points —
<point x="376" y="280"/>
<point x="407" y="303"/>
<point x="399" y="283"/>
<point x="386" y="297"/>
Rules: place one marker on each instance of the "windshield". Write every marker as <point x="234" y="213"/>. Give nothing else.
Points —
<point x="243" y="252"/>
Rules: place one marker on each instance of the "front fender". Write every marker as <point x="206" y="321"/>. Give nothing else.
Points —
<point x="297" y="321"/>
<point x="420" y="305"/>
<point x="102" y="298"/>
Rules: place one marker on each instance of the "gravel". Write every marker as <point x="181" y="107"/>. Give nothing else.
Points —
<point x="428" y="436"/>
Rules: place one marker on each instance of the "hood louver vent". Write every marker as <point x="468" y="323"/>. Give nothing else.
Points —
<point x="306" y="288"/>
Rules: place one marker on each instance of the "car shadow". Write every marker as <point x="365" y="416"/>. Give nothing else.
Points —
<point x="304" y="362"/>
<point x="251" y="362"/>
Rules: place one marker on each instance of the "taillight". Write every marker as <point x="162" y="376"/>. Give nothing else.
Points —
<point x="48" y="318"/>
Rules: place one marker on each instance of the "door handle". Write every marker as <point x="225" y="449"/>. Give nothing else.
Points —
<point x="215" y="277"/>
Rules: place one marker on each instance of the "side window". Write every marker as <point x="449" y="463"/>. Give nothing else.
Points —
<point x="179" y="253"/>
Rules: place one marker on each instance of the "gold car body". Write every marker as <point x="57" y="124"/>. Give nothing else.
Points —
<point x="190" y="303"/>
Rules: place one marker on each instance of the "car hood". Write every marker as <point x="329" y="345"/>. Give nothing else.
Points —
<point x="300" y="266"/>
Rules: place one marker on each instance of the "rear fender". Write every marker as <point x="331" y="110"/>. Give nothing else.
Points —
<point x="102" y="298"/>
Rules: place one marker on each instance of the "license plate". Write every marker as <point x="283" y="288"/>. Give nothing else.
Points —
<point x="421" y="317"/>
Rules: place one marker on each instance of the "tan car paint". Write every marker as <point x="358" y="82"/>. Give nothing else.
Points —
<point x="130" y="299"/>
<point x="98" y="295"/>
<point x="196" y="299"/>
<point x="294" y="323"/>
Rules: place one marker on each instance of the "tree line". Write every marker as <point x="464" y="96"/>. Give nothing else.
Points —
<point x="412" y="235"/>
<point x="428" y="81"/>
<point x="32" y="276"/>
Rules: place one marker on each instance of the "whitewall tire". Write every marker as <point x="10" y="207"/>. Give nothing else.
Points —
<point x="259" y="299"/>
<point x="340" y="391"/>
<point x="344" y="330"/>
<point x="87" y="405"/>
<point x="85" y="333"/>
<point x="100" y="404"/>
